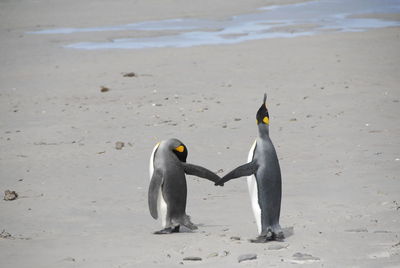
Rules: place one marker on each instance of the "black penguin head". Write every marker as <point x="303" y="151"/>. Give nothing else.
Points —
<point x="179" y="149"/>
<point x="262" y="113"/>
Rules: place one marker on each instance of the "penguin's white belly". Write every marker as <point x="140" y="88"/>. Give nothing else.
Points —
<point x="151" y="164"/>
<point x="162" y="208"/>
<point x="253" y="191"/>
<point x="161" y="204"/>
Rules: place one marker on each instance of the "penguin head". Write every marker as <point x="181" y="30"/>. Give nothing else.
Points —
<point x="262" y="113"/>
<point x="178" y="148"/>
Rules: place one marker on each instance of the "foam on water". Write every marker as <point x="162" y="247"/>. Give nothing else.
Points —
<point x="269" y="22"/>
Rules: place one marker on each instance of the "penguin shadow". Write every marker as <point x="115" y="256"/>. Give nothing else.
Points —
<point x="184" y="229"/>
<point x="203" y="225"/>
<point x="210" y="225"/>
<point x="288" y="231"/>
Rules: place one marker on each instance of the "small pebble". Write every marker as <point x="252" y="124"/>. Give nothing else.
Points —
<point x="235" y="238"/>
<point x="212" y="255"/>
<point x="247" y="257"/>
<point x="6" y="235"/>
<point x="104" y="89"/>
<point x="10" y="195"/>
<point x="304" y="257"/>
<point x="70" y="259"/>
<point x="358" y="230"/>
<point x="277" y="246"/>
<point x="131" y="74"/>
<point x="224" y="253"/>
<point x="119" y="145"/>
<point x="381" y="232"/>
<point x="192" y="258"/>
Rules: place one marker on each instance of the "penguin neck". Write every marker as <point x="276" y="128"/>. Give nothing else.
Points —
<point x="263" y="131"/>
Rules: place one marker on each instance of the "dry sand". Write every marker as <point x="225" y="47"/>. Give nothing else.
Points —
<point x="334" y="106"/>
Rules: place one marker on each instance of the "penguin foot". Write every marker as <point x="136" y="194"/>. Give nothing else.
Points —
<point x="279" y="236"/>
<point x="270" y="236"/>
<point x="261" y="239"/>
<point x="168" y="230"/>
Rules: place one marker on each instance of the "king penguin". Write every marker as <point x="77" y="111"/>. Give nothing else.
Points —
<point x="263" y="180"/>
<point x="168" y="191"/>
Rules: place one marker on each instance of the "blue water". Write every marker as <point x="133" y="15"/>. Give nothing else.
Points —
<point x="267" y="22"/>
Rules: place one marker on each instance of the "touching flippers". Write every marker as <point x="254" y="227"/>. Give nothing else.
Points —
<point x="154" y="190"/>
<point x="201" y="172"/>
<point x="241" y="171"/>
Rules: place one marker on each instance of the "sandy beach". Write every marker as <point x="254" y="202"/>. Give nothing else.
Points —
<point x="334" y="102"/>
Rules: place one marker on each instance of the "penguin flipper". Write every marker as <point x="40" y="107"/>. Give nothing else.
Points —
<point x="154" y="190"/>
<point x="201" y="172"/>
<point x="241" y="171"/>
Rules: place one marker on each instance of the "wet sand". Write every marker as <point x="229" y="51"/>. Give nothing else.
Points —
<point x="334" y="105"/>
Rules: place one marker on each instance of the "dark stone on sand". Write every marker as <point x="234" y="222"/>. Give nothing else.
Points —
<point x="247" y="257"/>
<point x="6" y="235"/>
<point x="304" y="257"/>
<point x="69" y="259"/>
<point x="191" y="258"/>
<point x="119" y="145"/>
<point x="357" y="230"/>
<point x="131" y="74"/>
<point x="219" y="171"/>
<point x="10" y="195"/>
<point x="235" y="238"/>
<point x="104" y="89"/>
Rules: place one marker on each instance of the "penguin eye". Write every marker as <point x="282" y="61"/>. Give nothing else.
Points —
<point x="180" y="148"/>
<point x="266" y="120"/>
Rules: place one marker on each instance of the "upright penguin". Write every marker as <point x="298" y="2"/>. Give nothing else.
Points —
<point x="264" y="181"/>
<point x="168" y="190"/>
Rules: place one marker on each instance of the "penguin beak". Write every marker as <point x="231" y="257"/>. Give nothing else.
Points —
<point x="180" y="148"/>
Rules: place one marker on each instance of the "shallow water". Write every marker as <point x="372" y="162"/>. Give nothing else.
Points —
<point x="287" y="21"/>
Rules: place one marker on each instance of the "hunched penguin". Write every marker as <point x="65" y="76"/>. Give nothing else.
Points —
<point x="167" y="190"/>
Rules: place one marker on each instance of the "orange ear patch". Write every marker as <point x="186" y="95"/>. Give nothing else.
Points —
<point x="180" y="148"/>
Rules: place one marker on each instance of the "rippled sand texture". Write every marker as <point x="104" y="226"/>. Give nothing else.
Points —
<point x="77" y="128"/>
